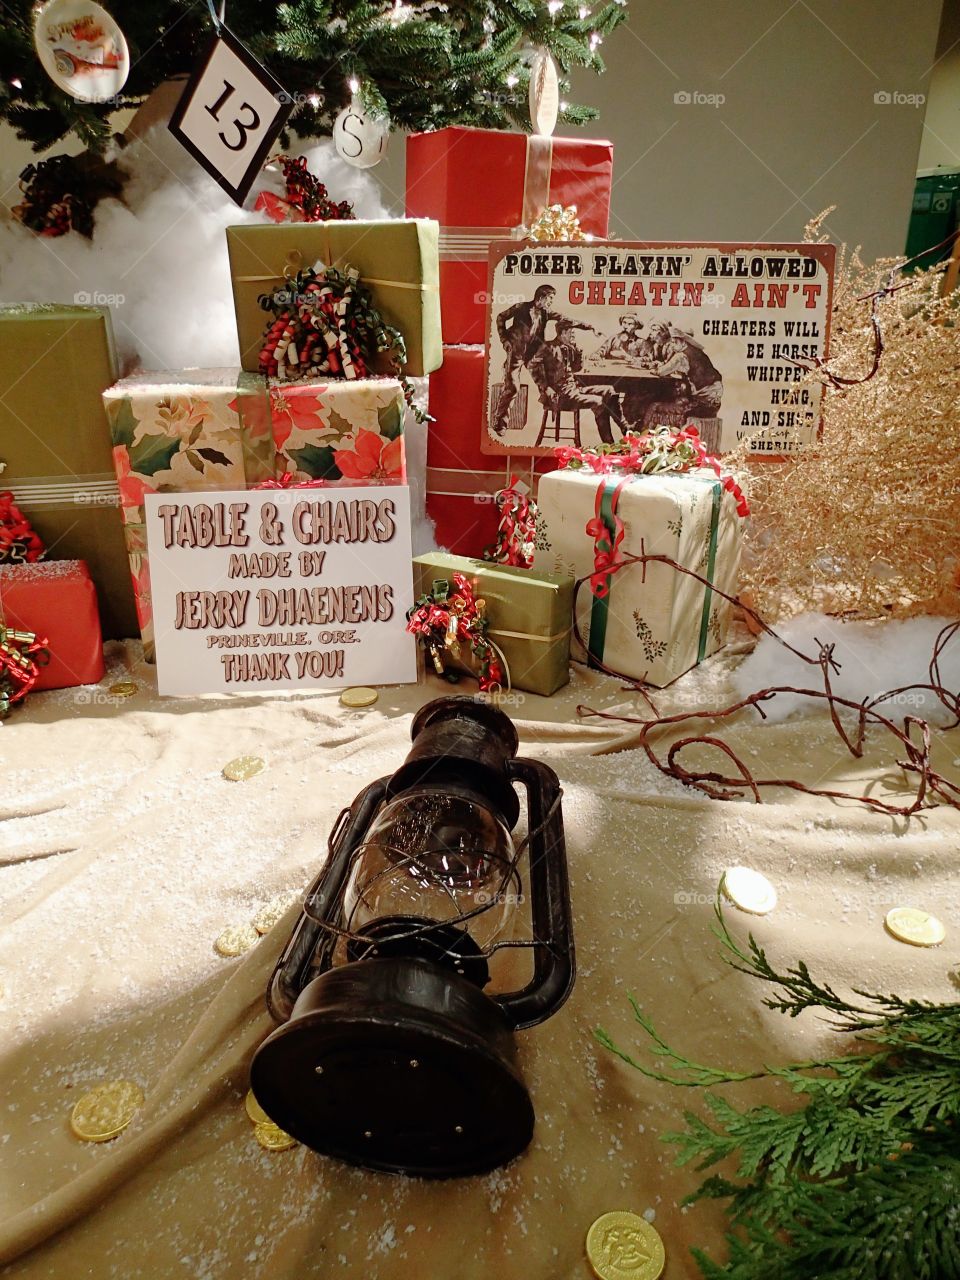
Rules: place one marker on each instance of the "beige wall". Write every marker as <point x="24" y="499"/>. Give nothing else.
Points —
<point x="796" y="126"/>
<point x="799" y="128"/>
<point x="940" y="147"/>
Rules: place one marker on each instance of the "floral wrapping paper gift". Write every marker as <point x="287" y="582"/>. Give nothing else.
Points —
<point x="653" y="623"/>
<point x="207" y="429"/>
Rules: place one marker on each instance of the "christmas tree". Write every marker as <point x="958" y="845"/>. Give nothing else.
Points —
<point x="424" y="65"/>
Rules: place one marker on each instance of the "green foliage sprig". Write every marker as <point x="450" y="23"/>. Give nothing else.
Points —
<point x="861" y="1181"/>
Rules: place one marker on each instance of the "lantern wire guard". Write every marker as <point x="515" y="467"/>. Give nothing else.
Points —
<point x="391" y="1053"/>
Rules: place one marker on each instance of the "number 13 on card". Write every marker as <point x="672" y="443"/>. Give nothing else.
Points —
<point x="230" y="114"/>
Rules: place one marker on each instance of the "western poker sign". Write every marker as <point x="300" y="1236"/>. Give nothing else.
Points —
<point x="590" y="339"/>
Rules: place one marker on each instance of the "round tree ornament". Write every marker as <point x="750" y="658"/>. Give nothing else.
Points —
<point x="82" y="49"/>
<point x="360" y="138"/>
<point x="544" y="93"/>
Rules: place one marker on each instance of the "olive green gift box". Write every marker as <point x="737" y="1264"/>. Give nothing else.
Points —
<point x="397" y="259"/>
<point x="55" y="360"/>
<point x="529" y="612"/>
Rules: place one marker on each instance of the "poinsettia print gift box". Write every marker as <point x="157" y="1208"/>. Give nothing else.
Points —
<point x="340" y="431"/>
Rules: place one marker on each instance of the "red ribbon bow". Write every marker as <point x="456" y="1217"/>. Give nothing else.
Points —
<point x="516" y="534"/>
<point x="19" y="542"/>
<point x="440" y="621"/>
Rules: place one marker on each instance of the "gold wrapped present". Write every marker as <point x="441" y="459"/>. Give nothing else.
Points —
<point x="55" y="361"/>
<point x="397" y="260"/>
<point x="529" y="613"/>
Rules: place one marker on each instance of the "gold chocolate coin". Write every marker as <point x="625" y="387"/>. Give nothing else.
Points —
<point x="254" y="1111"/>
<point x="624" y="1246"/>
<point x="910" y="924"/>
<point x="243" y="767"/>
<point x="272" y="1138"/>
<point x="106" y="1110"/>
<point x="749" y="890"/>
<point x="123" y="689"/>
<point x="236" y="939"/>
<point x="271" y="912"/>
<point x="359" y="697"/>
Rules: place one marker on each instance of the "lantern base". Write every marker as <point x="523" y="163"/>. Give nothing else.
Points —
<point x="399" y="1065"/>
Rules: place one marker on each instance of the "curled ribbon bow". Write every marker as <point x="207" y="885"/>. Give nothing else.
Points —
<point x="450" y="615"/>
<point x="648" y="452"/>
<point x="516" y="533"/>
<point x="606" y="544"/>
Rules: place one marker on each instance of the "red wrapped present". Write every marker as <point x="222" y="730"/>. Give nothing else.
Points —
<point x="57" y="600"/>
<point x="484" y="184"/>
<point x="462" y="481"/>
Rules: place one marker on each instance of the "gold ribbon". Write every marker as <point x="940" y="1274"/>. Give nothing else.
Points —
<point x="470" y="244"/>
<point x="294" y="264"/>
<point x="98" y="489"/>
<point x="526" y="635"/>
<point x="536" y="178"/>
<point x="454" y="482"/>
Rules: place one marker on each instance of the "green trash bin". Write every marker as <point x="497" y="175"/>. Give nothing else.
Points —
<point x="935" y="215"/>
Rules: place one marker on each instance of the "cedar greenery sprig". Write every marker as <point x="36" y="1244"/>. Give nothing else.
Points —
<point x="860" y="1182"/>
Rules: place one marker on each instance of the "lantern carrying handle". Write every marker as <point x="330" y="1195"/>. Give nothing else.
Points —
<point x="310" y="946"/>
<point x="554" y="962"/>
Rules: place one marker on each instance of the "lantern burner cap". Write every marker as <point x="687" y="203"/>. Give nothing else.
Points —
<point x="399" y="1065"/>
<point x="445" y="944"/>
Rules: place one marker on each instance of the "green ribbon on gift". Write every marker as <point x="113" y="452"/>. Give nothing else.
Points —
<point x="600" y="609"/>
<point x="711" y="563"/>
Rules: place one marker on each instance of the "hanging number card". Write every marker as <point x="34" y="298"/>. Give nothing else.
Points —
<point x="230" y="114"/>
<point x="281" y="589"/>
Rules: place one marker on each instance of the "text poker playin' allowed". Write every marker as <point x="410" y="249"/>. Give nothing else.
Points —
<point x="723" y="336"/>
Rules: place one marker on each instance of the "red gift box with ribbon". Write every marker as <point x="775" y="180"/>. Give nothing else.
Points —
<point x="56" y="599"/>
<point x="485" y="184"/>
<point x="462" y="481"/>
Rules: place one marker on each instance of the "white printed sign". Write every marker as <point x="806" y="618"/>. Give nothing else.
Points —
<point x="281" y="589"/>
<point x="230" y="114"/>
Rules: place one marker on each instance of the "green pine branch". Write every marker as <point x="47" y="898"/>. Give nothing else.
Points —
<point x="858" y="1182"/>
<point x="426" y="66"/>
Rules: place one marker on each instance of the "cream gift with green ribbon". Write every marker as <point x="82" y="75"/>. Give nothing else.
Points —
<point x="646" y="621"/>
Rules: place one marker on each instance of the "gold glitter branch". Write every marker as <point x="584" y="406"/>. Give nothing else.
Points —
<point x="867" y="522"/>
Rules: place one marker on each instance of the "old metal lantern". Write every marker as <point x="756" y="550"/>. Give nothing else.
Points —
<point x="396" y="1048"/>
